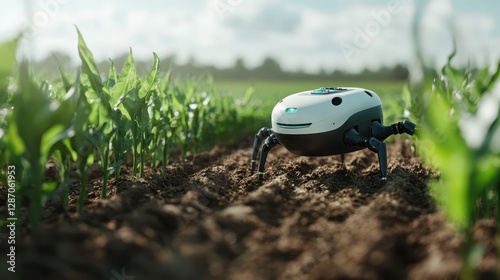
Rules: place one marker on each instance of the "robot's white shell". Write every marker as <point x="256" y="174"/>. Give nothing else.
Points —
<point x="314" y="111"/>
<point x="320" y="117"/>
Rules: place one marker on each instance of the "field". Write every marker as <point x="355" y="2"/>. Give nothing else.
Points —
<point x="117" y="176"/>
<point x="208" y="218"/>
<point x="270" y="92"/>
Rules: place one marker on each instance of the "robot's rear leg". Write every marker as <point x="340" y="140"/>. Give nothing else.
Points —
<point x="381" y="132"/>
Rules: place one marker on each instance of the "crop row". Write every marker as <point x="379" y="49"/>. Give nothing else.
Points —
<point x="458" y="112"/>
<point x="105" y="120"/>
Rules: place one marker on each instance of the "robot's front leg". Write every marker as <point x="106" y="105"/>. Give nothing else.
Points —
<point x="261" y="135"/>
<point x="270" y="143"/>
<point x="353" y="138"/>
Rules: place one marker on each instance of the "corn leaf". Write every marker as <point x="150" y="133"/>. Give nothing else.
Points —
<point x="112" y="77"/>
<point x="151" y="81"/>
<point x="126" y="84"/>
<point x="67" y="80"/>
<point x="88" y="64"/>
<point x="448" y="150"/>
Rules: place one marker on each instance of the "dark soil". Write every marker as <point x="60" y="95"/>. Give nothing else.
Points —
<point x="208" y="218"/>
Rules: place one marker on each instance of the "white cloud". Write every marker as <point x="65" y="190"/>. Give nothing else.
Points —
<point x="298" y="33"/>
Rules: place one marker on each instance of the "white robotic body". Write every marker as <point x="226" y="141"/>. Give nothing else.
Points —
<point x="305" y="111"/>
<point x="315" y="113"/>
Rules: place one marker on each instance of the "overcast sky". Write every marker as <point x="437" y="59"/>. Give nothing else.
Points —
<point x="329" y="34"/>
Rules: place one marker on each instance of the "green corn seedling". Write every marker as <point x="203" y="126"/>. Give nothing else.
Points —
<point x="458" y="131"/>
<point x="63" y="154"/>
<point x="35" y="125"/>
<point x="8" y="58"/>
<point x="143" y="117"/>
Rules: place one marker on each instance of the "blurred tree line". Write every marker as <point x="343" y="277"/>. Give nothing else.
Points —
<point x="269" y="69"/>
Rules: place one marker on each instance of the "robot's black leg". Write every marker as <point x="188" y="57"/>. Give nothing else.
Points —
<point x="353" y="138"/>
<point x="261" y="135"/>
<point x="382" y="161"/>
<point x="381" y="132"/>
<point x="270" y="143"/>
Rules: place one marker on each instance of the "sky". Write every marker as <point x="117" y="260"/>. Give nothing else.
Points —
<point x="301" y="34"/>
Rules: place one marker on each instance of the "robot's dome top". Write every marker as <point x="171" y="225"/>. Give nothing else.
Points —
<point x="329" y="90"/>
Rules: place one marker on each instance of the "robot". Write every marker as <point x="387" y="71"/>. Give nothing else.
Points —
<point x="328" y="121"/>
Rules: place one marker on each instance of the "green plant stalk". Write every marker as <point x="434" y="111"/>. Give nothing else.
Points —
<point x="143" y="156"/>
<point x="467" y="267"/>
<point x="166" y="150"/>
<point x="36" y="186"/>
<point x="104" y="153"/>
<point x="82" y="167"/>
<point x="105" y="177"/>
<point x="187" y="141"/>
<point x="134" y="148"/>
<point x="142" y="136"/>
<point x="64" y="174"/>
<point x="117" y="144"/>
<point x="117" y="154"/>
<point x="65" y="184"/>
<point x="467" y="271"/>
<point x="154" y="149"/>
